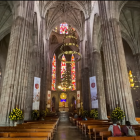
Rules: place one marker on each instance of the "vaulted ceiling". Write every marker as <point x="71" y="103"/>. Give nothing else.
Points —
<point x="5" y="19"/>
<point x="72" y="12"/>
<point x="130" y="25"/>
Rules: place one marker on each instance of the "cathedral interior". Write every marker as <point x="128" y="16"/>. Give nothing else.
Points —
<point x="55" y="41"/>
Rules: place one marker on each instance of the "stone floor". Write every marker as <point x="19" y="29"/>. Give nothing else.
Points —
<point x="66" y="131"/>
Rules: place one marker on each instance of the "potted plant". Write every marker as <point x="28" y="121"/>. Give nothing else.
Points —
<point x="117" y="114"/>
<point x="16" y="115"/>
<point x="35" y="114"/>
<point x="43" y="114"/>
<point x="94" y="113"/>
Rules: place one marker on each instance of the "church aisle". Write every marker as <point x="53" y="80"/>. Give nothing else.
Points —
<point x="66" y="131"/>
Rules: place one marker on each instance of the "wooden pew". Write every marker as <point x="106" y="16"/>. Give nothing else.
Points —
<point x="86" y="128"/>
<point x="105" y="134"/>
<point x="82" y="124"/>
<point x="122" y="138"/>
<point x="96" y="132"/>
<point x="29" y="130"/>
<point x="137" y="138"/>
<point x="26" y="134"/>
<point x="26" y="138"/>
<point x="89" y="129"/>
<point x="78" y="122"/>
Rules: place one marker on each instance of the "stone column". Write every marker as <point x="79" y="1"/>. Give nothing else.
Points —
<point x="41" y="44"/>
<point x="85" y="88"/>
<point x="137" y="59"/>
<point x="14" y="86"/>
<point x="33" y="71"/>
<point x="79" y="77"/>
<point x="45" y="73"/>
<point x="115" y="65"/>
<point x="100" y="84"/>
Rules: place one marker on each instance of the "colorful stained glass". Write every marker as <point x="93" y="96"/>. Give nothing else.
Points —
<point x="63" y="28"/>
<point x="73" y="73"/>
<point x="55" y="29"/>
<point x="73" y="29"/>
<point x="63" y="66"/>
<point x="54" y="73"/>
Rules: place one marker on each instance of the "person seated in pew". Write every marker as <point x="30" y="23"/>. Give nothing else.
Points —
<point x="128" y="130"/>
<point x="84" y="118"/>
<point x="75" y="116"/>
<point x="115" y="129"/>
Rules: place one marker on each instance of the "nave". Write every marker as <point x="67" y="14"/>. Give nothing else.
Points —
<point x="66" y="131"/>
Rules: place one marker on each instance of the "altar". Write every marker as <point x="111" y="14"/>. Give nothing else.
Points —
<point x="63" y="103"/>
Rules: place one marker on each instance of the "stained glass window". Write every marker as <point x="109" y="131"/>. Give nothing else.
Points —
<point x="55" y="29"/>
<point x="63" y="28"/>
<point x="73" y="73"/>
<point x="54" y="73"/>
<point x="63" y="65"/>
<point x="73" y="29"/>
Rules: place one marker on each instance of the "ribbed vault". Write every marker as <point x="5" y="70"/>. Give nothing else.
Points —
<point x="72" y="12"/>
<point x="5" y="18"/>
<point x="130" y="27"/>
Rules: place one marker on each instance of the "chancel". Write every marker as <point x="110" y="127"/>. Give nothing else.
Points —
<point x="67" y="66"/>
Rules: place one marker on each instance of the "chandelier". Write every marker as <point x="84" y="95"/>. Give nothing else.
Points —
<point x="66" y="44"/>
<point x="66" y="82"/>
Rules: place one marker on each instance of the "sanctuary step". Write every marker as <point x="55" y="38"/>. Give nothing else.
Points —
<point x="63" y="116"/>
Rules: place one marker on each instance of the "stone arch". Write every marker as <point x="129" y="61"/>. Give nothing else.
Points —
<point x="130" y="32"/>
<point x="129" y="41"/>
<point x="54" y="39"/>
<point x="6" y="19"/>
<point x="4" y="43"/>
<point x="58" y="23"/>
<point x="132" y="62"/>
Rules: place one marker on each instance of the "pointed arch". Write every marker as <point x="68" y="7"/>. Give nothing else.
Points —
<point x="54" y="40"/>
<point x="73" y="73"/>
<point x="54" y="73"/>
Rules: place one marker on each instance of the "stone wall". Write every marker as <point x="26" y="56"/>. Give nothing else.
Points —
<point x="132" y="65"/>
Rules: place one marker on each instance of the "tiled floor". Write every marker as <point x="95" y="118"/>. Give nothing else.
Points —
<point x="66" y="131"/>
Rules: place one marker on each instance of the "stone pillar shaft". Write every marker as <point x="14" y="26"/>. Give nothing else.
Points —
<point x="14" y="86"/>
<point x="85" y="88"/>
<point x="115" y="64"/>
<point x="33" y="71"/>
<point x="100" y="85"/>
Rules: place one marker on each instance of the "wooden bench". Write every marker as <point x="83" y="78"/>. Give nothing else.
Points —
<point x="26" y="134"/>
<point x="27" y="138"/>
<point x="88" y="126"/>
<point x="122" y="138"/>
<point x="97" y="130"/>
<point x="89" y="129"/>
<point x="29" y="130"/>
<point x="105" y="134"/>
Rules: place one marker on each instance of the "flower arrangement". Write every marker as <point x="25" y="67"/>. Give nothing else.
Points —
<point x="117" y="114"/>
<point x="94" y="113"/>
<point x="35" y="114"/>
<point x="43" y="113"/>
<point x="16" y="115"/>
<point x="47" y="110"/>
<point x="85" y="113"/>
